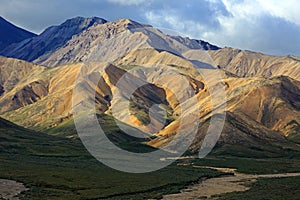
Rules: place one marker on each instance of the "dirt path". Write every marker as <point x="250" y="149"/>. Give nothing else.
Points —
<point x="215" y="186"/>
<point x="9" y="189"/>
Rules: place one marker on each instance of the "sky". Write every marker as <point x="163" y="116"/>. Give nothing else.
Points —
<point x="268" y="26"/>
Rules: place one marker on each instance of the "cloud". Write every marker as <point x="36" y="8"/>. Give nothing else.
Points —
<point x="172" y="21"/>
<point x="260" y="25"/>
<point x="128" y="2"/>
<point x="288" y="10"/>
<point x="192" y="18"/>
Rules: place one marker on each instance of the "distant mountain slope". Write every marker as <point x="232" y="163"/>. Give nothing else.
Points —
<point x="107" y="42"/>
<point x="250" y="64"/>
<point x="94" y="39"/>
<point x="51" y="39"/>
<point x="111" y="41"/>
<point x="10" y="34"/>
<point x="19" y="83"/>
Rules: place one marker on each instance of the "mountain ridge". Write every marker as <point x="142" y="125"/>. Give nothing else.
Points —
<point x="10" y="34"/>
<point x="41" y="52"/>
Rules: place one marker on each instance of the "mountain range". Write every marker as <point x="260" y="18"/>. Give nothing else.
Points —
<point x="38" y="75"/>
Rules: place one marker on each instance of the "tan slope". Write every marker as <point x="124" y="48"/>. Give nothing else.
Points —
<point x="141" y="57"/>
<point x="56" y="103"/>
<point x="56" y="107"/>
<point x="13" y="71"/>
<point x="20" y="84"/>
<point x="270" y="105"/>
<point x="249" y="64"/>
<point x="258" y="110"/>
<point x="275" y="102"/>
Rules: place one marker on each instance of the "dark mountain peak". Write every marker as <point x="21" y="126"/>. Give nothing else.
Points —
<point x="10" y="33"/>
<point x="51" y="39"/>
<point x="83" y="22"/>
